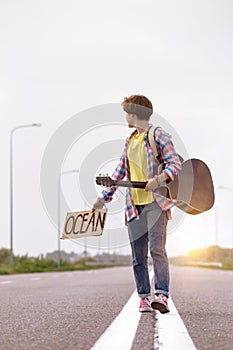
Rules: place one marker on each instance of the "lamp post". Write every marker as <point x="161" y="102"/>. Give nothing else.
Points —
<point x="230" y="190"/>
<point x="59" y="211"/>
<point x="11" y="185"/>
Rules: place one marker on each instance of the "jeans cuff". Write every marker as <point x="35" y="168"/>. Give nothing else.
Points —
<point x="144" y="295"/>
<point x="160" y="291"/>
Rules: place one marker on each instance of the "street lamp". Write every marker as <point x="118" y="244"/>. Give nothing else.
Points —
<point x="59" y="211"/>
<point x="230" y="190"/>
<point x="11" y="185"/>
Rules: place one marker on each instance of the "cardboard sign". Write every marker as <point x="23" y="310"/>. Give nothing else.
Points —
<point x="84" y="223"/>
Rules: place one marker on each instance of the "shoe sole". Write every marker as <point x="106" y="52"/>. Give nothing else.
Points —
<point x="160" y="307"/>
<point x="146" y="310"/>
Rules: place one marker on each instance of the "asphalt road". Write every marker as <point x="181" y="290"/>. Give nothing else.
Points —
<point x="68" y="310"/>
<point x="204" y="299"/>
<point x="71" y="310"/>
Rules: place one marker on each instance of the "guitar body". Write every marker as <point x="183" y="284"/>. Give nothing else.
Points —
<point x="192" y="188"/>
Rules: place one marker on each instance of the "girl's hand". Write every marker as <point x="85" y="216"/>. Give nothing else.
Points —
<point x="152" y="184"/>
<point x="156" y="182"/>
<point x="98" y="204"/>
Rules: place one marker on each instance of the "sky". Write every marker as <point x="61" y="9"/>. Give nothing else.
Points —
<point x="60" y="58"/>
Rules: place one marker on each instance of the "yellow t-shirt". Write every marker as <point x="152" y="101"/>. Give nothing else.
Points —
<point x="137" y="158"/>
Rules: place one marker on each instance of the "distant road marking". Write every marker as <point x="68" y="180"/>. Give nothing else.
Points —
<point x="35" y="278"/>
<point x="171" y="333"/>
<point x="5" y="282"/>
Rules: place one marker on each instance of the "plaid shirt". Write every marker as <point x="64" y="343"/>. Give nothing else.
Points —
<point x="172" y="166"/>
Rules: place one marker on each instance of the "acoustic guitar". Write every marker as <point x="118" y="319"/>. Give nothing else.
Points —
<point x="192" y="189"/>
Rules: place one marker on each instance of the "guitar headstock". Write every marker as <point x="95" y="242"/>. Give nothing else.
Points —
<point x="105" y="180"/>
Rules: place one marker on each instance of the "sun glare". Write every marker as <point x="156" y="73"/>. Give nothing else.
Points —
<point x="186" y="238"/>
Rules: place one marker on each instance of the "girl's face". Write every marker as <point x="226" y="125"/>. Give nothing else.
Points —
<point x="130" y="118"/>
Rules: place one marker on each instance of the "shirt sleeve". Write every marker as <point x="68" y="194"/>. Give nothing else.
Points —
<point x="170" y="157"/>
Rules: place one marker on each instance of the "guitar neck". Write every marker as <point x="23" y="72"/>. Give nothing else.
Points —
<point x="134" y="184"/>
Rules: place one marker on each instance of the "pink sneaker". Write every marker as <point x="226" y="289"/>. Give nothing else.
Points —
<point x="145" y="305"/>
<point x="160" y="303"/>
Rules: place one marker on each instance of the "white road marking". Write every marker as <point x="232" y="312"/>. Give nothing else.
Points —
<point x="171" y="333"/>
<point x="35" y="278"/>
<point x="5" y="282"/>
<point x="120" y="334"/>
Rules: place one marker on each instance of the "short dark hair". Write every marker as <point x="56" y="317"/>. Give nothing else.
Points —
<point x="139" y="105"/>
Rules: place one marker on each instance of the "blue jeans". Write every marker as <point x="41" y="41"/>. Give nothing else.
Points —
<point x="149" y="228"/>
